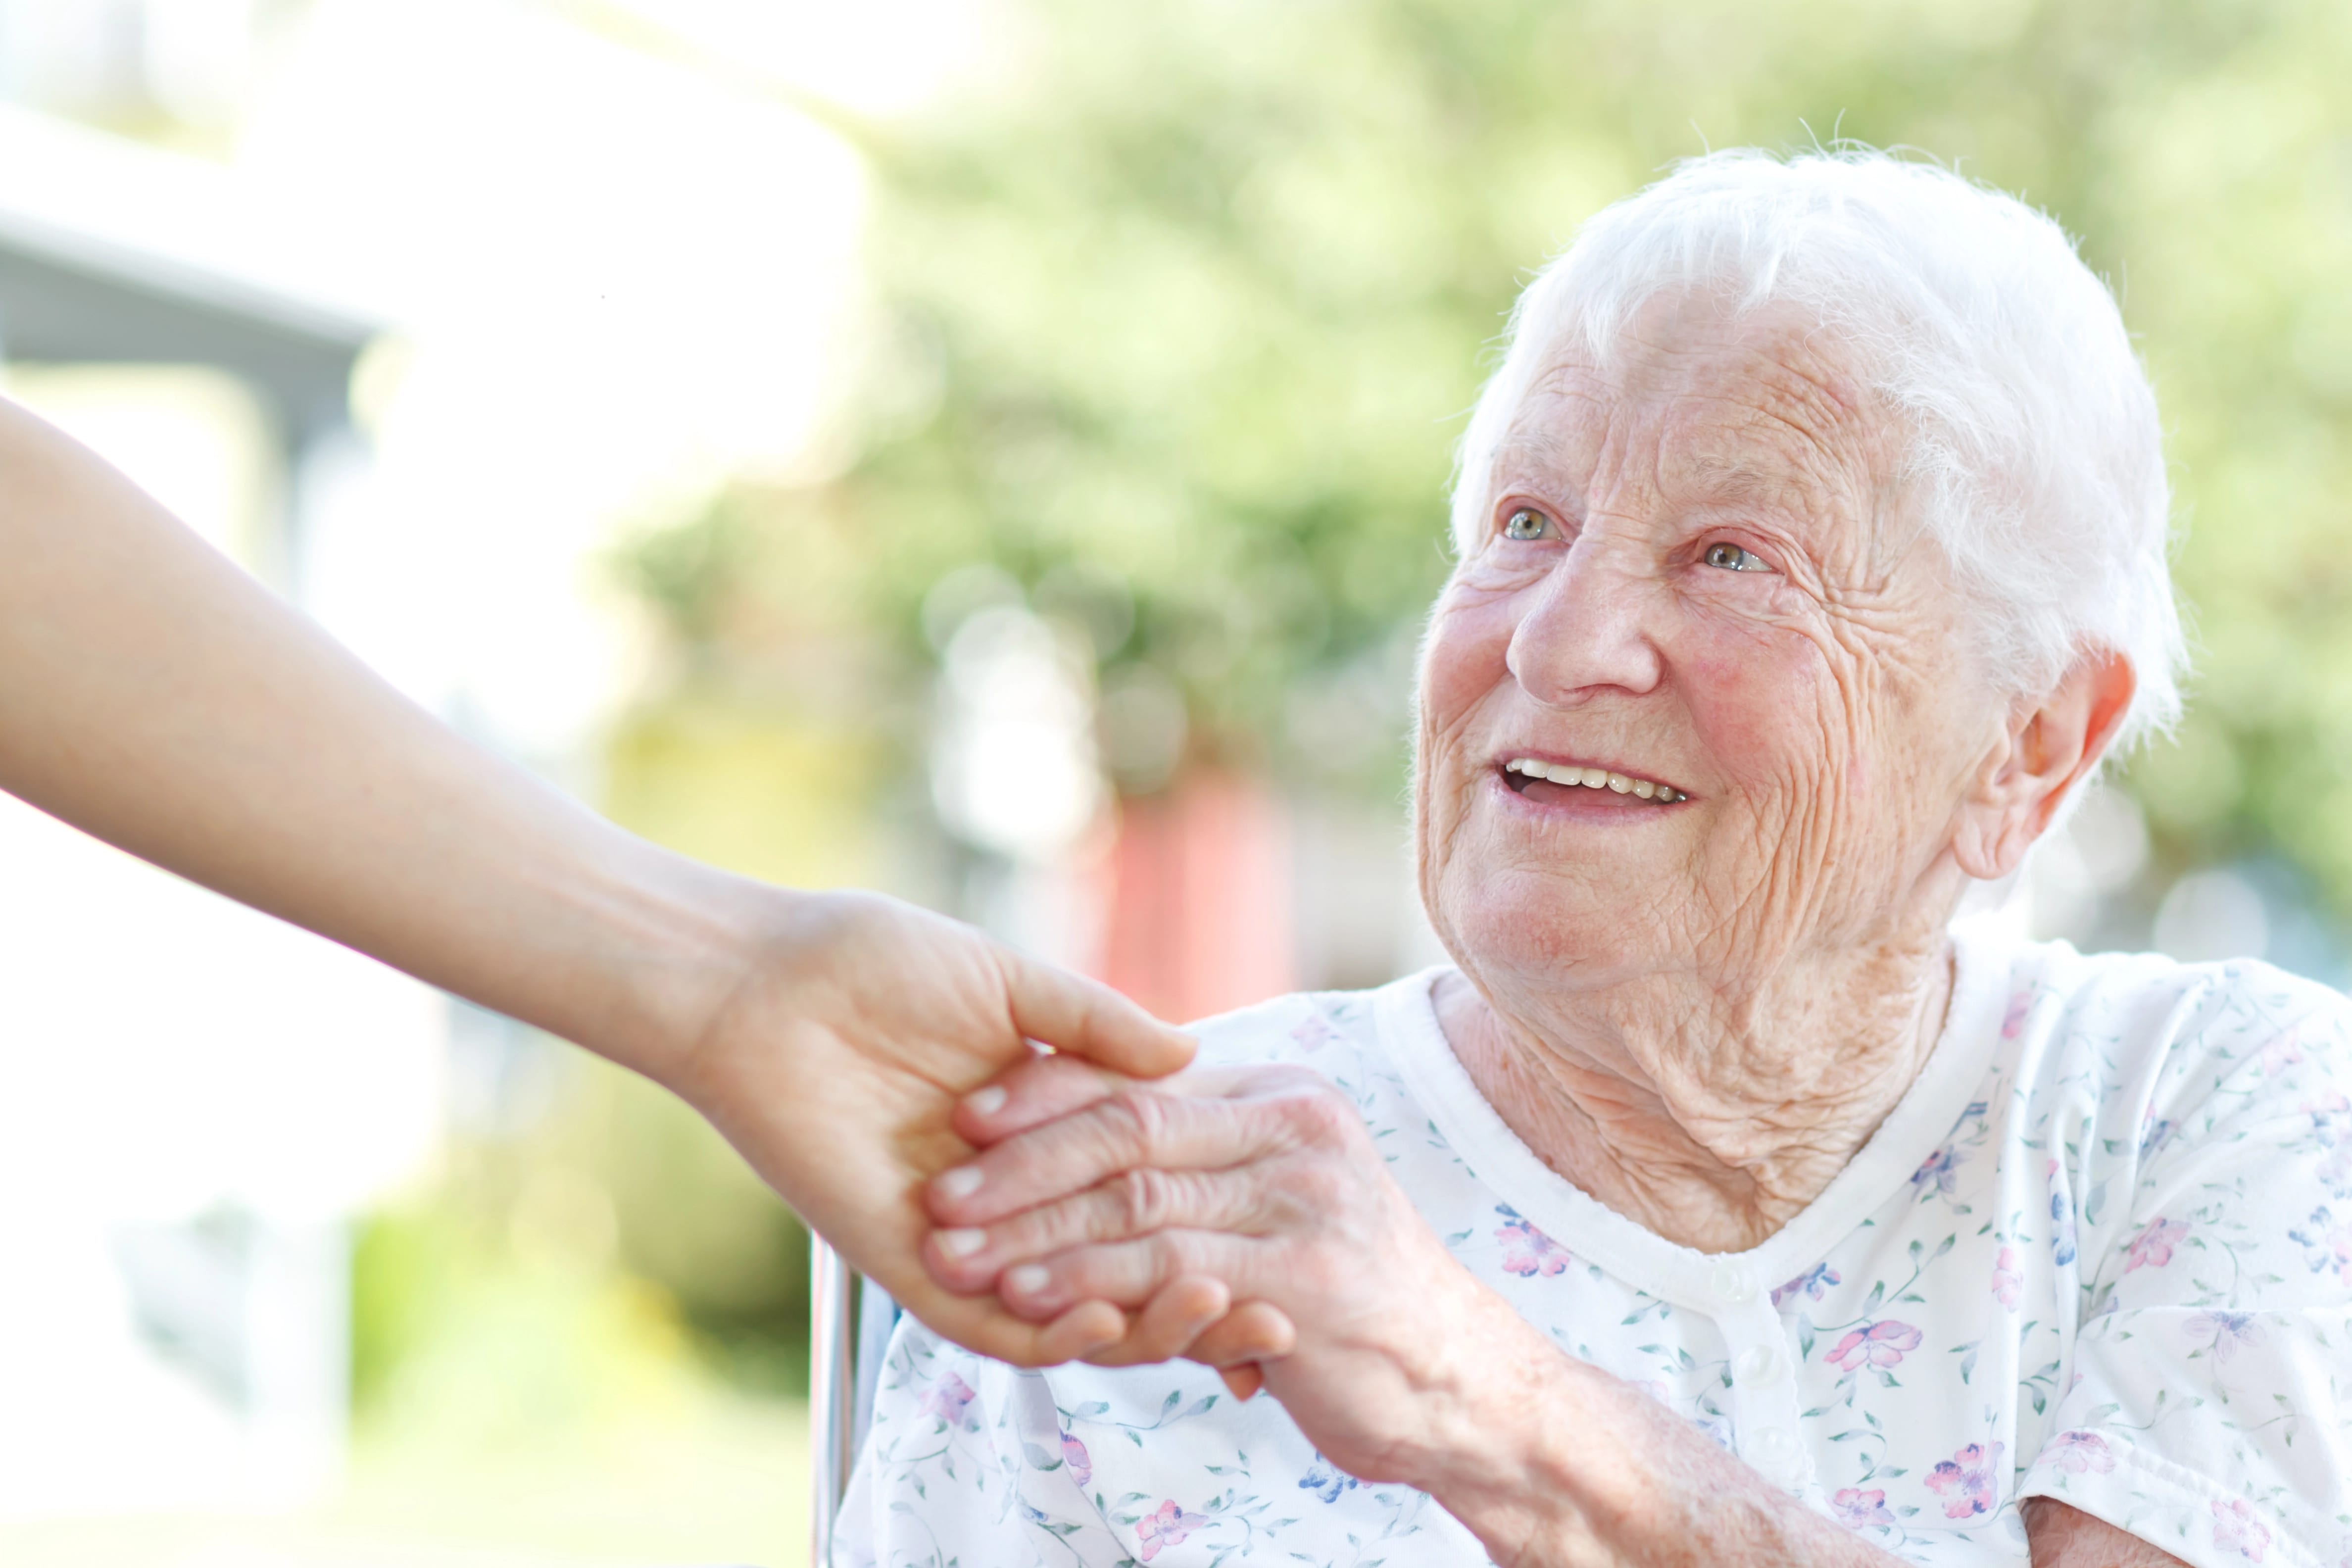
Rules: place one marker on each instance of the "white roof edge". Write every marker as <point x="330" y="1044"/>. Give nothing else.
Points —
<point x="167" y="222"/>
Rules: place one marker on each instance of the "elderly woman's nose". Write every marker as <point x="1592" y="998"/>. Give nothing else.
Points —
<point x="1584" y="628"/>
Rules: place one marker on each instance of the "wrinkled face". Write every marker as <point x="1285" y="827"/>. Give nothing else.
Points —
<point x="1697" y="598"/>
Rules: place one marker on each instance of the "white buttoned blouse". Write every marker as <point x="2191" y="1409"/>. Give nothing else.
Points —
<point x="2101" y="1250"/>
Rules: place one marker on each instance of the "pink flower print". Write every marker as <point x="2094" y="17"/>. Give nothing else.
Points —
<point x="1859" y="1509"/>
<point x="2224" y="1331"/>
<point x="946" y="1399"/>
<point x="1168" y="1526"/>
<point x="2153" y="1247"/>
<point x="1314" y="1032"/>
<point x="1938" y="1172"/>
<point x="1965" y="1480"/>
<point x="1080" y="1463"/>
<point x="1882" y="1345"/>
<point x="2281" y="1053"/>
<point x="2235" y="1529"/>
<point x="2006" y="1279"/>
<point x="2020" y="1007"/>
<point x="2080" y="1453"/>
<point x="1812" y="1282"/>
<point x="1528" y="1251"/>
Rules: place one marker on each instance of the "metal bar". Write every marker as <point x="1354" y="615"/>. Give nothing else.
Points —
<point x="833" y="1389"/>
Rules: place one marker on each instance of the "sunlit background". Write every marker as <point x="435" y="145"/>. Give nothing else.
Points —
<point x="991" y="450"/>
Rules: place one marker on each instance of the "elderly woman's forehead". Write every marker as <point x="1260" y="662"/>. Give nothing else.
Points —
<point x="1767" y="380"/>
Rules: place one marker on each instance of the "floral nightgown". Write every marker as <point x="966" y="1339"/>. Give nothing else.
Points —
<point x="2102" y="1251"/>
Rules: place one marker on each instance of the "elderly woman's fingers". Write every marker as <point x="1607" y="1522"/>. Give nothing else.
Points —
<point x="966" y="1259"/>
<point x="1128" y="1273"/>
<point x="1134" y="1126"/>
<point x="1051" y="1087"/>
<point x="1032" y="1094"/>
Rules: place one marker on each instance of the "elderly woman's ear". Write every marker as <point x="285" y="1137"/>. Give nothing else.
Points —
<point x="2044" y="753"/>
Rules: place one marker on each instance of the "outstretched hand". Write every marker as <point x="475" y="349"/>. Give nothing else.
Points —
<point x="837" y="1066"/>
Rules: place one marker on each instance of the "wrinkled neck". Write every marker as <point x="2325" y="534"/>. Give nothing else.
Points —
<point x="1711" y="1114"/>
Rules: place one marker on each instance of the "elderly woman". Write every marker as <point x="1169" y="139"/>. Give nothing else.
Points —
<point x="1724" y="1200"/>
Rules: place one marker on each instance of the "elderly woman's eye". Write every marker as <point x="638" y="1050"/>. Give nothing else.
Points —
<point x="1731" y="558"/>
<point x="1525" y="523"/>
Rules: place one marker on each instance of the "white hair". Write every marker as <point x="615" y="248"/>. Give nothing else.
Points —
<point x="2034" y="447"/>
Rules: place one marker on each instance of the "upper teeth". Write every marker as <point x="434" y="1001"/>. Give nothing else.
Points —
<point x="1592" y="778"/>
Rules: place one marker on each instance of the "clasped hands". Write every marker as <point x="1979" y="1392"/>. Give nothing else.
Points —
<point x="1245" y="1218"/>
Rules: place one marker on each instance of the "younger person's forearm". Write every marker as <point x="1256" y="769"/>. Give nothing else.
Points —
<point x="155" y="696"/>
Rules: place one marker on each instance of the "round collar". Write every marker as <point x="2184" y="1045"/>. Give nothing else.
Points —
<point x="1407" y="1020"/>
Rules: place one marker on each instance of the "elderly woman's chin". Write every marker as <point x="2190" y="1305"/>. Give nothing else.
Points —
<point x="1566" y="927"/>
<point x="1509" y="892"/>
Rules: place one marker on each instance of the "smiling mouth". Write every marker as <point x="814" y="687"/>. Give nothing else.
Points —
<point x="1518" y="773"/>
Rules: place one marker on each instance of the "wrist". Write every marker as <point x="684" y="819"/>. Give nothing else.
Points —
<point x="672" y="946"/>
<point x="1537" y="1456"/>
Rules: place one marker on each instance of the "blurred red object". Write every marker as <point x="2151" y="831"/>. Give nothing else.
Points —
<point x="1200" y="902"/>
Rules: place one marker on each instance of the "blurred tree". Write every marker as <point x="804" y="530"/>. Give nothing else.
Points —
<point x="1184" y="306"/>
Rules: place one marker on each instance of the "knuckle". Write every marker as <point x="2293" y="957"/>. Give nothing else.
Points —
<point x="1135" y="1118"/>
<point x="1144" y="1197"/>
<point x="1320" y="1117"/>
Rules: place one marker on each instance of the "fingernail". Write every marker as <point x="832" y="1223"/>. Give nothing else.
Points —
<point x="961" y="1183"/>
<point x="963" y="1243"/>
<point x="986" y="1101"/>
<point x="1028" y="1279"/>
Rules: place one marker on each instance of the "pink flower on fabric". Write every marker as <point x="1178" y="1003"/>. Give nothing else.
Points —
<point x="1081" y="1463"/>
<point x="1966" y="1480"/>
<point x="1313" y="1032"/>
<point x="2020" y="1007"/>
<point x="2153" y="1247"/>
<point x="1528" y="1251"/>
<point x="2235" y="1529"/>
<point x="1170" y="1526"/>
<point x="2282" y="1052"/>
<point x="1859" y="1509"/>
<point x="2006" y="1279"/>
<point x="947" y="1399"/>
<point x="2080" y="1453"/>
<point x="1882" y="1345"/>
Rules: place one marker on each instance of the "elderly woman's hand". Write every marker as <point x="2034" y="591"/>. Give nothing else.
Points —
<point x="1261" y="1185"/>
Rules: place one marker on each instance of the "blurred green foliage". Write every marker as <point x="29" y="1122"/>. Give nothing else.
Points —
<point x="583" y="1263"/>
<point x="1195" y="296"/>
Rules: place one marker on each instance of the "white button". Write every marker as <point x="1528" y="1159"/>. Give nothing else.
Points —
<point x="1733" y="1284"/>
<point x="1759" y="1366"/>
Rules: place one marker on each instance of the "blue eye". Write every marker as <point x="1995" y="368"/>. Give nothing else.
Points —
<point x="1731" y="558"/>
<point x="1526" y="523"/>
